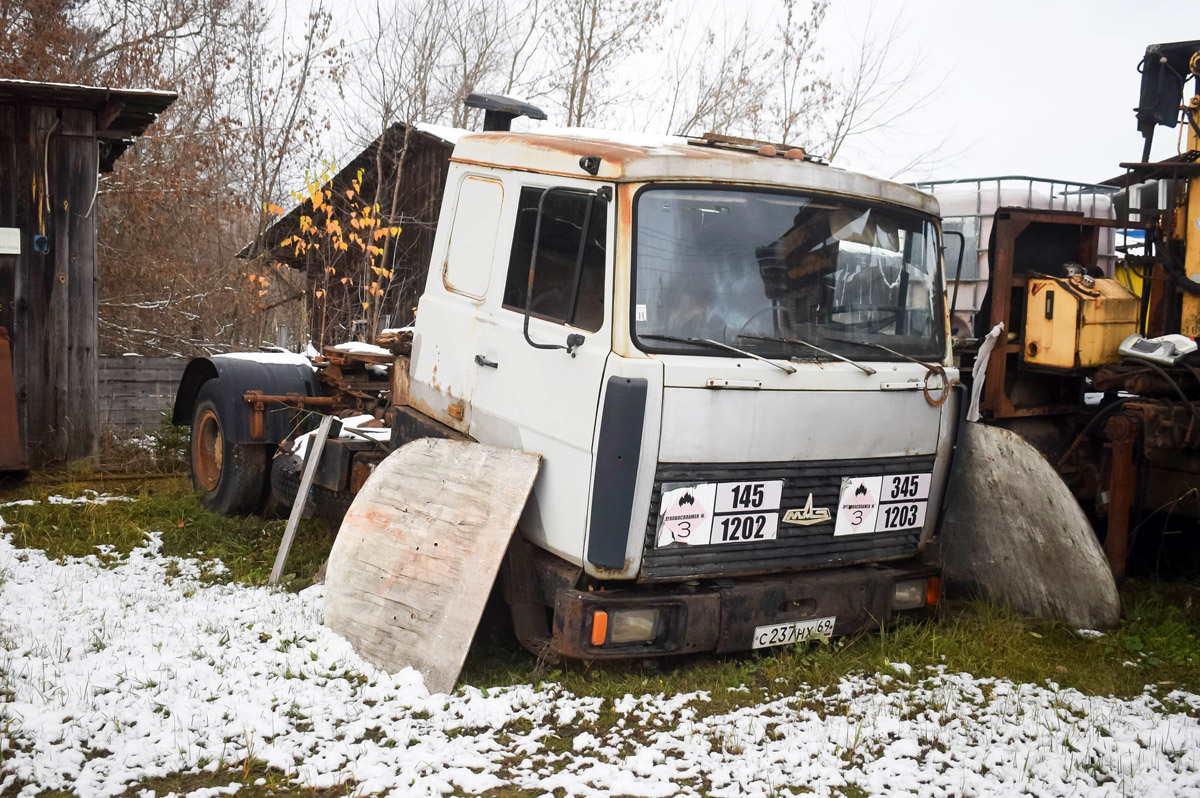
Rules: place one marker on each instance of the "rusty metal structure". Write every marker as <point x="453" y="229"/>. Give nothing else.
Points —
<point x="12" y="455"/>
<point x="1122" y="430"/>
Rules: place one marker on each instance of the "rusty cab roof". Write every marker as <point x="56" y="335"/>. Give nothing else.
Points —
<point x="638" y="158"/>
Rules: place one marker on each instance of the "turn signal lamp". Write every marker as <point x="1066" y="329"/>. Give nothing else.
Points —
<point x="599" y="627"/>
<point x="933" y="589"/>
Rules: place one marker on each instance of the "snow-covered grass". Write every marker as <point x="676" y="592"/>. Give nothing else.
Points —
<point x="128" y="670"/>
<point x="66" y="519"/>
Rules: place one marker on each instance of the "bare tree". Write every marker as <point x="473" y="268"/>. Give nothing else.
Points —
<point x="588" y="39"/>
<point x="877" y="92"/>
<point x="103" y="43"/>
<point x="720" y="85"/>
<point x="804" y="94"/>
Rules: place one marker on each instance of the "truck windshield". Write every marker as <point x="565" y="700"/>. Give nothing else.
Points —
<point x="743" y="267"/>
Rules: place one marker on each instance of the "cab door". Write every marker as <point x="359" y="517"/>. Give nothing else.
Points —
<point x="541" y="345"/>
<point x="443" y="373"/>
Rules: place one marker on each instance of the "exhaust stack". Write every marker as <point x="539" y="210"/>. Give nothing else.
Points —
<point x="499" y="111"/>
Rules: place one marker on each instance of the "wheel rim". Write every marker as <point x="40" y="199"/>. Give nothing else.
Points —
<point x="208" y="450"/>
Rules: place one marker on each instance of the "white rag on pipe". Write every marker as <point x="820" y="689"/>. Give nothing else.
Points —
<point x="980" y="370"/>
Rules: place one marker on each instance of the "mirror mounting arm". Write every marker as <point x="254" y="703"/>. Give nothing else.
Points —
<point x="962" y="245"/>
<point x="574" y="340"/>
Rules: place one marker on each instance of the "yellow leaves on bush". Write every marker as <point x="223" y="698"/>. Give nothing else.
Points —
<point x="346" y="225"/>
<point x="260" y="280"/>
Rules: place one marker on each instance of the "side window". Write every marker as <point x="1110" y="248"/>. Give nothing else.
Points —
<point x="468" y="266"/>
<point x="569" y="276"/>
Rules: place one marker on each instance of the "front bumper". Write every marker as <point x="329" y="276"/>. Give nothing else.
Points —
<point x="721" y="616"/>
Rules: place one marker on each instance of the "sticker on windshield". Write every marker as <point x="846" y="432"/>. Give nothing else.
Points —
<point x="858" y="506"/>
<point x="687" y="515"/>
<point x="639" y="313"/>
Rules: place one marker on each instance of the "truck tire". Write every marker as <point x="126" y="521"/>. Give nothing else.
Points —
<point x="229" y="476"/>
<point x="286" y="472"/>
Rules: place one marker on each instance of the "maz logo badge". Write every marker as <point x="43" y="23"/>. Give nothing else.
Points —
<point x="807" y="516"/>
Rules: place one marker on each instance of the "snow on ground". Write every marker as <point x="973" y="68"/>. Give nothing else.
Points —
<point x="87" y="497"/>
<point x="114" y="669"/>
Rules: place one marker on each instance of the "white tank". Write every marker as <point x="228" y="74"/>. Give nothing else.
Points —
<point x="968" y="206"/>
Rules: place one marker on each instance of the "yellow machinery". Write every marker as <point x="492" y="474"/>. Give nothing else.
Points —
<point x="1133" y="458"/>
<point x="1166" y="69"/>
<point x="1186" y="219"/>
<point x="1077" y="321"/>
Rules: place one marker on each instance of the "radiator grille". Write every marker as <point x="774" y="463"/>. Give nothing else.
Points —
<point x="795" y="546"/>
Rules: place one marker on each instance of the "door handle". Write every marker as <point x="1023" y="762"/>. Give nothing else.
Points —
<point x="483" y="361"/>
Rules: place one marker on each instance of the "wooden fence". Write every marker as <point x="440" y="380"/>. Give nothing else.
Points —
<point x="136" y="391"/>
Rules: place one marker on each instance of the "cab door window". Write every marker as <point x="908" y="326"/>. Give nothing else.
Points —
<point x="468" y="266"/>
<point x="569" y="275"/>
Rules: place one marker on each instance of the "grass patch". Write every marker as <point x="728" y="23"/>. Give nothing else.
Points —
<point x="248" y="774"/>
<point x="163" y="449"/>
<point x="167" y="504"/>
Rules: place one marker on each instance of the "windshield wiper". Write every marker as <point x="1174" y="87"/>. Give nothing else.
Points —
<point x="718" y="345"/>
<point x="779" y="340"/>
<point x="881" y="347"/>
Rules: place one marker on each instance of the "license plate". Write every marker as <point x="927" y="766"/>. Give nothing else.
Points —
<point x="782" y="634"/>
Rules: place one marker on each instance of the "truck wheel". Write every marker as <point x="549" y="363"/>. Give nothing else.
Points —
<point x="286" y="471"/>
<point x="229" y="476"/>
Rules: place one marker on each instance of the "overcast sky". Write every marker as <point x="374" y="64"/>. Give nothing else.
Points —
<point x="1019" y="87"/>
<point x="1038" y="88"/>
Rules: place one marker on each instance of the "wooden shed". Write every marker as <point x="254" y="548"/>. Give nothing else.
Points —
<point x="415" y="162"/>
<point x="55" y="140"/>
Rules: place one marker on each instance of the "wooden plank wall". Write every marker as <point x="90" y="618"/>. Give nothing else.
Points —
<point x="135" y="391"/>
<point x="48" y="163"/>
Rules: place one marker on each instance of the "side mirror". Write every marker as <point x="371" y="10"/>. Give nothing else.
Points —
<point x="574" y="340"/>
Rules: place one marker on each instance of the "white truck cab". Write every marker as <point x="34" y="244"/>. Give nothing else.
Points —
<point x="735" y="365"/>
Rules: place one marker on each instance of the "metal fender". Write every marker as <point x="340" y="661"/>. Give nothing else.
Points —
<point x="239" y="374"/>
<point x="1013" y="533"/>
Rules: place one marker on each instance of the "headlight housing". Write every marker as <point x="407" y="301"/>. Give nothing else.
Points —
<point x="912" y="594"/>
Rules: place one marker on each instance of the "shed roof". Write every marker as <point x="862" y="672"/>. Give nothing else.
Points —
<point x="627" y="157"/>
<point x="121" y="114"/>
